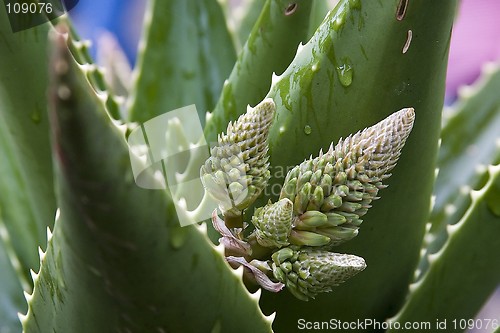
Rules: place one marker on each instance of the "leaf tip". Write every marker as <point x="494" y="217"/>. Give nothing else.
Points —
<point x="49" y="234"/>
<point x="432" y="257"/>
<point x="28" y="297"/>
<point x="274" y="79"/>
<point x="433" y="201"/>
<point x="208" y="116"/>
<point x="256" y="295"/>
<point x="34" y="275"/>
<point x="41" y="254"/>
<point x="238" y="272"/>
<point x="452" y="228"/>
<point x="202" y="227"/>
<point x="220" y="249"/>
<point x="270" y="318"/>
<point x="22" y="317"/>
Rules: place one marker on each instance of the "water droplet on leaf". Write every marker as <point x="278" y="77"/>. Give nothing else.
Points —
<point x="339" y="22"/>
<point x="345" y="72"/>
<point x="36" y="117"/>
<point x="307" y="129"/>
<point x="177" y="237"/>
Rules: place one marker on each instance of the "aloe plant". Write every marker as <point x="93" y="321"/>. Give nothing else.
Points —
<point x="319" y="176"/>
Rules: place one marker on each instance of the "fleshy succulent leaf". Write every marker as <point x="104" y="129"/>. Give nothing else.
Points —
<point x="118" y="73"/>
<point x="348" y="76"/>
<point x="470" y="123"/>
<point x="456" y="273"/>
<point x="11" y="291"/>
<point x="319" y="10"/>
<point x="26" y="183"/>
<point x="469" y="142"/>
<point x="269" y="49"/>
<point x="107" y="222"/>
<point x="187" y="55"/>
<point x="246" y="15"/>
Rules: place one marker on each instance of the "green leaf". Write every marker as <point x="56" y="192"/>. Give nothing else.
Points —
<point x="469" y="142"/>
<point x="274" y="38"/>
<point x="27" y="200"/>
<point x="117" y="68"/>
<point x="118" y="259"/>
<point x="11" y="295"/>
<point x="319" y="10"/>
<point x="462" y="274"/>
<point x="187" y="55"/>
<point x="358" y="68"/>
<point x="247" y="13"/>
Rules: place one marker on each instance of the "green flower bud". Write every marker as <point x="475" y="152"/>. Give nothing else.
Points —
<point x="308" y="238"/>
<point x="302" y="199"/>
<point x="338" y="234"/>
<point x="238" y="169"/>
<point x="316" y="199"/>
<point x="334" y="219"/>
<point x="313" y="218"/>
<point x="289" y="190"/>
<point x="273" y="223"/>
<point x="313" y="271"/>
<point x="346" y="179"/>
<point x="331" y="202"/>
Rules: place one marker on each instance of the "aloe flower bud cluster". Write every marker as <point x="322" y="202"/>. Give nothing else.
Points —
<point x="308" y="272"/>
<point x="320" y="206"/>
<point x="238" y="169"/>
<point x="273" y="223"/>
<point x="331" y="192"/>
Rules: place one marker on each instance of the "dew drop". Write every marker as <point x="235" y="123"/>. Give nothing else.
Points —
<point x="339" y="22"/>
<point x="307" y="129"/>
<point x="36" y="117"/>
<point x="177" y="237"/>
<point x="345" y="73"/>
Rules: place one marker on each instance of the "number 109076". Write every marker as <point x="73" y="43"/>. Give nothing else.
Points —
<point x="29" y="8"/>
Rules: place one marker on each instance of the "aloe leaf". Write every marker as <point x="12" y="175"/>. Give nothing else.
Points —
<point x="469" y="142"/>
<point x="80" y="49"/>
<point x="359" y="67"/>
<point x="11" y="295"/>
<point x="187" y="56"/>
<point x="281" y="26"/>
<point x="462" y="274"/>
<point x="118" y="260"/>
<point x="117" y="73"/>
<point x="247" y="13"/>
<point x="27" y="200"/>
<point x="319" y="10"/>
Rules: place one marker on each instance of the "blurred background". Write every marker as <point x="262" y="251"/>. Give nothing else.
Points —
<point x="475" y="41"/>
